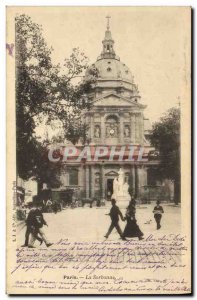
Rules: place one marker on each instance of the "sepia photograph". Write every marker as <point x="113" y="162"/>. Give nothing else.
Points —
<point x="98" y="166"/>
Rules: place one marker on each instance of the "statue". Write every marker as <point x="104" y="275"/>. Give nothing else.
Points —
<point x="126" y="131"/>
<point x="97" y="132"/>
<point x="120" y="189"/>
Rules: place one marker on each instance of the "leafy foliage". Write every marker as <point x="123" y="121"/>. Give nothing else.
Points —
<point x="166" y="139"/>
<point x="45" y="91"/>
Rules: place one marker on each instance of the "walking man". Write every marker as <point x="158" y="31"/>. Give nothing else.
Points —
<point x="114" y="215"/>
<point x="158" y="211"/>
<point x="30" y="228"/>
<point x="38" y="221"/>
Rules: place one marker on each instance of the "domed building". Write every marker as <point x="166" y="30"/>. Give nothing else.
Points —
<point x="116" y="120"/>
<point x="113" y="75"/>
<point x="117" y="116"/>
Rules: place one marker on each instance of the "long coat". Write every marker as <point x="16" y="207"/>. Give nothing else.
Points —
<point x="131" y="228"/>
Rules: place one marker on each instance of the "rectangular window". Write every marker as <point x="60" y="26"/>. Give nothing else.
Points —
<point x="73" y="176"/>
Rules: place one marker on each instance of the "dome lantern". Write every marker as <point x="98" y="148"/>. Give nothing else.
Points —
<point x="108" y="43"/>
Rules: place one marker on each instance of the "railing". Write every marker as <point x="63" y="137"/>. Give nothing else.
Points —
<point x="153" y="193"/>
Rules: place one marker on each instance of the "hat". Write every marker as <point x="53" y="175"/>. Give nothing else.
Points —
<point x="113" y="201"/>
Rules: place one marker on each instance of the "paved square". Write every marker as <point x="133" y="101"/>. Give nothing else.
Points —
<point x="91" y="224"/>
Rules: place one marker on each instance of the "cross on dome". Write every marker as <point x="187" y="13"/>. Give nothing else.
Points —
<point x="108" y="17"/>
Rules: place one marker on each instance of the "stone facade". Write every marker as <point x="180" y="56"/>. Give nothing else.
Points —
<point x="116" y="118"/>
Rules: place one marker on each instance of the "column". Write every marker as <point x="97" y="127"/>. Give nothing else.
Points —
<point x="144" y="175"/>
<point x="91" y="128"/>
<point x="80" y="177"/>
<point x="87" y="181"/>
<point x="102" y="128"/>
<point x="92" y="179"/>
<point x="133" y="179"/>
<point x="121" y="130"/>
<point x="87" y="123"/>
<point x="132" y="128"/>
<point x="102" y="182"/>
<point x="136" y="181"/>
<point x="137" y="128"/>
<point x="141" y="129"/>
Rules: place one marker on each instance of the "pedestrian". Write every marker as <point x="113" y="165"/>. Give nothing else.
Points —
<point x="131" y="228"/>
<point x="49" y="204"/>
<point x="158" y="211"/>
<point x="38" y="222"/>
<point x="55" y="207"/>
<point x="114" y="215"/>
<point x="98" y="202"/>
<point x="30" y="227"/>
<point x="45" y="195"/>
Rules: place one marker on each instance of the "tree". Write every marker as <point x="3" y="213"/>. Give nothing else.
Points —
<point x="45" y="93"/>
<point x="165" y="138"/>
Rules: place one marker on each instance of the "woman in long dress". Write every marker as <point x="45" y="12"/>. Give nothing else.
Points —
<point x="131" y="228"/>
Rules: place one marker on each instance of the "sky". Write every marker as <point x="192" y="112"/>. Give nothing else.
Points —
<point x="153" y="42"/>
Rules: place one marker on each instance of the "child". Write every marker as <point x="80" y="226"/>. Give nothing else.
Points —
<point x="158" y="211"/>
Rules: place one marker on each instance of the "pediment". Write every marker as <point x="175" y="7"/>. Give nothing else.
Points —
<point x="111" y="173"/>
<point x="115" y="100"/>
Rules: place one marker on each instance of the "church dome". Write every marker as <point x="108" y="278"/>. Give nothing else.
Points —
<point x="112" y="69"/>
<point x="111" y="73"/>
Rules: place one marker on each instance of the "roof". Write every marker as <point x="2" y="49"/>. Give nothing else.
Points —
<point x="109" y="68"/>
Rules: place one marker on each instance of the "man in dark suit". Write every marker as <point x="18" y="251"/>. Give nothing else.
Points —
<point x="158" y="211"/>
<point x="30" y="228"/>
<point x="114" y="215"/>
<point x="37" y="222"/>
